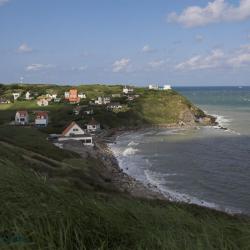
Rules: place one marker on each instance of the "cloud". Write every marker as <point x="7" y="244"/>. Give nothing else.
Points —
<point x="240" y="58"/>
<point x="2" y="2"/>
<point x="81" y="68"/>
<point x="213" y="60"/>
<point x="38" y="67"/>
<point x="121" y="65"/>
<point x="156" y="63"/>
<point x="214" y="12"/>
<point x="24" y="48"/>
<point x="147" y="49"/>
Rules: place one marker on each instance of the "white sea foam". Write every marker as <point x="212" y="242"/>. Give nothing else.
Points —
<point x="132" y="143"/>
<point x="129" y="151"/>
<point x="159" y="181"/>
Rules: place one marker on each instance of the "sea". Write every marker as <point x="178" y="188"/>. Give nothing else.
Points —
<point x="206" y="166"/>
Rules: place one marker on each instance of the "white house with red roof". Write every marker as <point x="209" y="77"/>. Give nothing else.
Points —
<point x="22" y="117"/>
<point x="42" y="119"/>
<point x="75" y="132"/>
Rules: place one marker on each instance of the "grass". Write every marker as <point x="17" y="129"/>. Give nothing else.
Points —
<point x="52" y="199"/>
<point x="152" y="107"/>
<point x="38" y="214"/>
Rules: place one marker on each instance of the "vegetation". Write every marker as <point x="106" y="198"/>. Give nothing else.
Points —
<point x="69" y="204"/>
<point x="53" y="199"/>
<point x="151" y="107"/>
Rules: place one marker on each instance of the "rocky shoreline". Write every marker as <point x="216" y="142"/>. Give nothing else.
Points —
<point x="120" y="180"/>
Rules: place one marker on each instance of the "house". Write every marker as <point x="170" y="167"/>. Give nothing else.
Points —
<point x="157" y="87"/>
<point x="93" y="126"/>
<point x="73" y="129"/>
<point x="4" y="100"/>
<point x="16" y="95"/>
<point x="167" y="87"/>
<point x="75" y="132"/>
<point x="42" y="102"/>
<point x="98" y="101"/>
<point x="126" y="90"/>
<point x="22" y="118"/>
<point x="102" y="100"/>
<point x="131" y="98"/>
<point x="153" y="86"/>
<point x="42" y="119"/>
<point x="28" y="95"/>
<point x="82" y="96"/>
<point x="51" y="96"/>
<point x="66" y="95"/>
<point x="73" y="96"/>
<point x="114" y="105"/>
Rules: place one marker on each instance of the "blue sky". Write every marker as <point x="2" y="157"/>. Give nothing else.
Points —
<point x="191" y="42"/>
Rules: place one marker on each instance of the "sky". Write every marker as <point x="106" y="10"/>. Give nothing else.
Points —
<point x="182" y="43"/>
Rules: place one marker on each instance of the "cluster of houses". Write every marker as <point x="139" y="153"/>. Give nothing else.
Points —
<point x="74" y="131"/>
<point x="41" y="118"/>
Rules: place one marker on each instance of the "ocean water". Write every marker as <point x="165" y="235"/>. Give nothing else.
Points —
<point x="205" y="166"/>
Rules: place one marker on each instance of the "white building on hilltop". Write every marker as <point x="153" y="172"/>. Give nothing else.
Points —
<point x="126" y="90"/>
<point x="167" y="87"/>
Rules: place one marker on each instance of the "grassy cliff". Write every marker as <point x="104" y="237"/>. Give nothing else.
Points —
<point x="52" y="199"/>
<point x="150" y="108"/>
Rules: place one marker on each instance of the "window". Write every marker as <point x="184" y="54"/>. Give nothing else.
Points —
<point x="75" y="129"/>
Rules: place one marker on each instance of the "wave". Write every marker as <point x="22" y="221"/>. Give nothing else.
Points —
<point x="132" y="143"/>
<point x="129" y="151"/>
<point x="158" y="181"/>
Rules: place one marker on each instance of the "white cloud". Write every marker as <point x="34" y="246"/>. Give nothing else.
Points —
<point x="81" y="68"/>
<point x="147" y="49"/>
<point x="156" y="63"/>
<point x="121" y="65"/>
<point x="213" y="60"/>
<point x="38" y="67"/>
<point x="2" y="2"/>
<point x="24" y="48"/>
<point x="216" y="11"/>
<point x="240" y="58"/>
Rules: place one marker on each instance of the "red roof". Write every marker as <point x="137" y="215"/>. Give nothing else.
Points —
<point x="23" y="113"/>
<point x="41" y="114"/>
<point x="66" y="130"/>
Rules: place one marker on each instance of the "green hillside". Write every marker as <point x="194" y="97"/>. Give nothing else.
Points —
<point x="149" y="108"/>
<point x="52" y="199"/>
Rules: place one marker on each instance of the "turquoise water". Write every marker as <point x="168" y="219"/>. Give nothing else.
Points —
<point x="206" y="166"/>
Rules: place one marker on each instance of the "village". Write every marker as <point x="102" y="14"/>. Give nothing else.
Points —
<point x="81" y="107"/>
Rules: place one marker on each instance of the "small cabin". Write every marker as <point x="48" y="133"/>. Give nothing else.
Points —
<point x="93" y="126"/>
<point x="42" y="119"/>
<point x="22" y="118"/>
